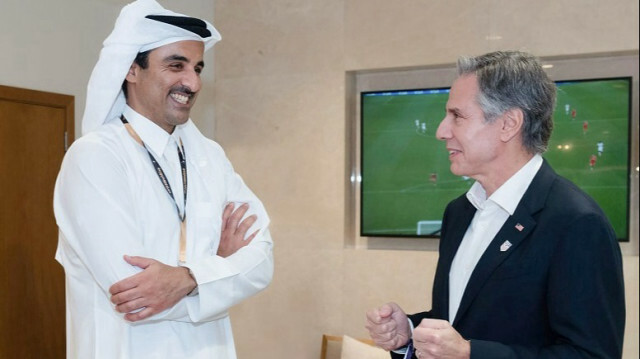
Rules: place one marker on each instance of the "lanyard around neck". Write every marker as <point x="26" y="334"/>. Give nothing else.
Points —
<point x="163" y="179"/>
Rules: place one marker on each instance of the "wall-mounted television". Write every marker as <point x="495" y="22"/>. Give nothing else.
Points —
<point x="405" y="181"/>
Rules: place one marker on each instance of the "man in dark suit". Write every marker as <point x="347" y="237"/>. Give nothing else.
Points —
<point x="529" y="265"/>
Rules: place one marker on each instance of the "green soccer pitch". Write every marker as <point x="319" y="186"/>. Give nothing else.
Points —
<point x="405" y="169"/>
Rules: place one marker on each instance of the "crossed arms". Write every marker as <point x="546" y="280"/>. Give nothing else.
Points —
<point x="160" y="286"/>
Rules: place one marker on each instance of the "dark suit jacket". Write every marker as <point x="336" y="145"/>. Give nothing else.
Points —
<point x="557" y="292"/>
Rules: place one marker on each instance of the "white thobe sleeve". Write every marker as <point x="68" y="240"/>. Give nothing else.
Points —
<point x="95" y="214"/>
<point x="223" y="282"/>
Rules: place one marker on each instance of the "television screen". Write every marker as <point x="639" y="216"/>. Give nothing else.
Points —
<point x="405" y="178"/>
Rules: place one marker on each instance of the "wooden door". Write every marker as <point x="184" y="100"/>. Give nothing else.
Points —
<point x="32" y="143"/>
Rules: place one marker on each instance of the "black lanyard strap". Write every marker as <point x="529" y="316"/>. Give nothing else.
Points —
<point x="158" y="169"/>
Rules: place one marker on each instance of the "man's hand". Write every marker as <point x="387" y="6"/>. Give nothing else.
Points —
<point x="436" y="339"/>
<point x="388" y="326"/>
<point x="151" y="291"/>
<point x="234" y="230"/>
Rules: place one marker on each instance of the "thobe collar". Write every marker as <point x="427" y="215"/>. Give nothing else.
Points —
<point x="510" y="193"/>
<point x="154" y="137"/>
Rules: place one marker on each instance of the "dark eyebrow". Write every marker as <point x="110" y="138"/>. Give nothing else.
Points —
<point x="455" y="111"/>
<point x="182" y="59"/>
<point x="176" y="58"/>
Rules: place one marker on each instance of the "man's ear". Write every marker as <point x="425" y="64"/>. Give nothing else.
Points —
<point x="132" y="73"/>
<point x="512" y="122"/>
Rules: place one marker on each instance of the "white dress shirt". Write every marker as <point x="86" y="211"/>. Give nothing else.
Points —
<point x="490" y="216"/>
<point x="109" y="202"/>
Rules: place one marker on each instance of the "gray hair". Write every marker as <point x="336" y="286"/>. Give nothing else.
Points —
<point x="513" y="79"/>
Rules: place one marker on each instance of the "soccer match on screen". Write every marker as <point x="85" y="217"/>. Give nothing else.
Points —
<point x="406" y="181"/>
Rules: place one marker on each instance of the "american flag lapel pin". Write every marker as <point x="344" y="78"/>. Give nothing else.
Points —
<point x="505" y="246"/>
<point x="519" y="227"/>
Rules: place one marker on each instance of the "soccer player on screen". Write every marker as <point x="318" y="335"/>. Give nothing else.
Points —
<point x="600" y="145"/>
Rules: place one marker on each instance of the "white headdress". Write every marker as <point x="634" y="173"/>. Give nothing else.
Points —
<point x="135" y="32"/>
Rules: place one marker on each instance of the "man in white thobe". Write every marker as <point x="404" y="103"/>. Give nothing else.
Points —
<point x="159" y="236"/>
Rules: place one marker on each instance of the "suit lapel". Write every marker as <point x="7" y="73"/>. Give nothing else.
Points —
<point x="505" y="242"/>
<point x="455" y="229"/>
<point x="456" y="232"/>
<point x="515" y="230"/>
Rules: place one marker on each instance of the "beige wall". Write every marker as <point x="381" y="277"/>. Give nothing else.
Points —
<point x="279" y="96"/>
<point x="280" y="114"/>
